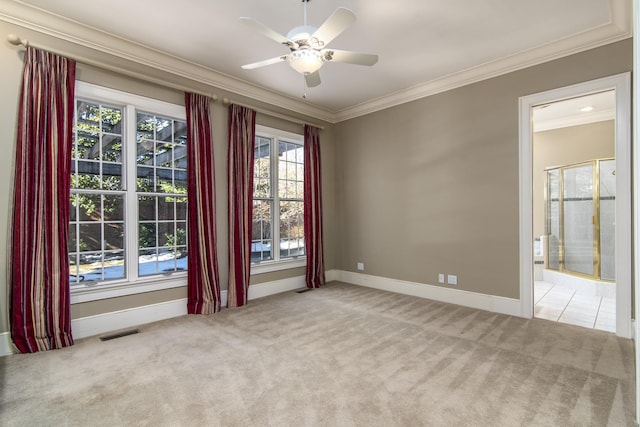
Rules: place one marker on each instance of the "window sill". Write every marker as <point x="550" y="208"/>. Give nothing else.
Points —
<point x="95" y="292"/>
<point x="269" y="266"/>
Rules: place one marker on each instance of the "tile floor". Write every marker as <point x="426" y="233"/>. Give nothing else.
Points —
<point x="568" y="304"/>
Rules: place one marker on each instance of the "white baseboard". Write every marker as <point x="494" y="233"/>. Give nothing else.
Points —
<point x="6" y="347"/>
<point x="277" y="286"/>
<point x="491" y="303"/>
<point x="330" y="275"/>
<point x="107" y="322"/>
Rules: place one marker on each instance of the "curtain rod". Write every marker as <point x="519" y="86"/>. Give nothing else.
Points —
<point x="271" y="113"/>
<point x="17" y="41"/>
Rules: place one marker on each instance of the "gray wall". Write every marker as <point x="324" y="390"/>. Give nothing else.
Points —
<point x="567" y="146"/>
<point x="11" y="59"/>
<point x="432" y="187"/>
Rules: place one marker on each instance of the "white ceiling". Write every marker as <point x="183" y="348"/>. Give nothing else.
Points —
<point x="571" y="112"/>
<point x="424" y="46"/>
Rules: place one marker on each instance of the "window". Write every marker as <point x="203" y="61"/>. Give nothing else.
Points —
<point x="278" y="203"/>
<point x="128" y="193"/>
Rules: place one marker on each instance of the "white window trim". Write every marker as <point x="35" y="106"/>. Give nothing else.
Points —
<point x="288" y="263"/>
<point x="134" y="284"/>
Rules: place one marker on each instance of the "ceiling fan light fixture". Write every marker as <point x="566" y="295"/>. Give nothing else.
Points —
<point x="306" y="60"/>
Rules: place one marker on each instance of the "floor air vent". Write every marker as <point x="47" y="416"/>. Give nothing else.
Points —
<point x="120" y="335"/>
<point x="301" y="291"/>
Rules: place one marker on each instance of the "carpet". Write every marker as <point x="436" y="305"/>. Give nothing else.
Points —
<point x="342" y="355"/>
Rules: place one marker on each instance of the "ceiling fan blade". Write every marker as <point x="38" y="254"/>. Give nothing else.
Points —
<point x="334" y="25"/>
<point x="312" y="79"/>
<point x="357" y="58"/>
<point x="265" y="62"/>
<point x="272" y="34"/>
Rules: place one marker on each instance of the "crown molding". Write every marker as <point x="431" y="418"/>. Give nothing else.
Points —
<point x="47" y="23"/>
<point x="15" y="12"/>
<point x="618" y="28"/>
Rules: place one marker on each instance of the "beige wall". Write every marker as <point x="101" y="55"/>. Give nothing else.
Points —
<point x="431" y="186"/>
<point x="566" y="146"/>
<point x="11" y="59"/>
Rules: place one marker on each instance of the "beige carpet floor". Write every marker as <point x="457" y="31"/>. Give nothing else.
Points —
<point x="342" y="355"/>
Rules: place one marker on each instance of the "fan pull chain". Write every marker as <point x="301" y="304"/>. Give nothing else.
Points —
<point x="304" y="87"/>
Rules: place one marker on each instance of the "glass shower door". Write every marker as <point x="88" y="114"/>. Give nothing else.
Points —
<point x="578" y="219"/>
<point x="553" y="219"/>
<point x="607" y="219"/>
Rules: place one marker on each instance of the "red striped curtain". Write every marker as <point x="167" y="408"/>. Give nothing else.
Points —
<point x="242" y="133"/>
<point x="39" y="278"/>
<point x="313" y="208"/>
<point x="203" y="283"/>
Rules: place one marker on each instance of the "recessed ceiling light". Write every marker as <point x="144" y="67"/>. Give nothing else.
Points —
<point x="586" y="109"/>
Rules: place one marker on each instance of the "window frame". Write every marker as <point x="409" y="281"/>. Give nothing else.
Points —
<point x="275" y="135"/>
<point x="132" y="283"/>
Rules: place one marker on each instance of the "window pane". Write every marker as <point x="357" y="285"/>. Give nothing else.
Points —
<point x="179" y="132"/>
<point x="147" y="235"/>
<point x="166" y="236"/>
<point x="145" y="151"/>
<point x="112" y="148"/>
<point x="291" y="229"/>
<point x="89" y="207"/>
<point x="181" y="208"/>
<point x="165" y="208"/>
<point x="88" y="117"/>
<point x="164" y="180"/>
<point x="290" y="172"/>
<point x="145" y="181"/>
<point x="261" y="244"/>
<point x="72" y="238"/>
<point x="164" y="154"/>
<point x="112" y="176"/>
<point x="87" y="176"/>
<point x="90" y="237"/>
<point x="145" y="125"/>
<point x="85" y="145"/>
<point x="262" y="168"/>
<point x="181" y="233"/>
<point x="114" y="236"/>
<point x="147" y="208"/>
<point x="113" y="207"/>
<point x="73" y="207"/>
<point x="147" y="262"/>
<point x="111" y="120"/>
<point x="164" y="131"/>
<point x="74" y="274"/>
<point x="90" y="267"/>
<point x="180" y="157"/>
<point x="180" y="182"/>
<point x="181" y="258"/>
<point x="114" y="265"/>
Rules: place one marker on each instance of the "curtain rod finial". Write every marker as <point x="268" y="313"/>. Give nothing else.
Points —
<point x="15" y="40"/>
<point x="226" y="101"/>
<point x="214" y="98"/>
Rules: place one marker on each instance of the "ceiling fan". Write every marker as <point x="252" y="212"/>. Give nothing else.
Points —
<point x="308" y="45"/>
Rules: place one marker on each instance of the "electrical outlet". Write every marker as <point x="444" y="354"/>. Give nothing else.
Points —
<point x="360" y="266"/>
<point x="440" y="278"/>
<point x="452" y="280"/>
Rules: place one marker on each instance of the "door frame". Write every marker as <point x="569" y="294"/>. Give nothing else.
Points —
<point x="621" y="83"/>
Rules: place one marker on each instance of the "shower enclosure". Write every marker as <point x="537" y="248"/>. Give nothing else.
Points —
<point x="580" y="219"/>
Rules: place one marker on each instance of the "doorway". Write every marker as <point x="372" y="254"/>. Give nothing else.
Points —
<point x="589" y="263"/>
